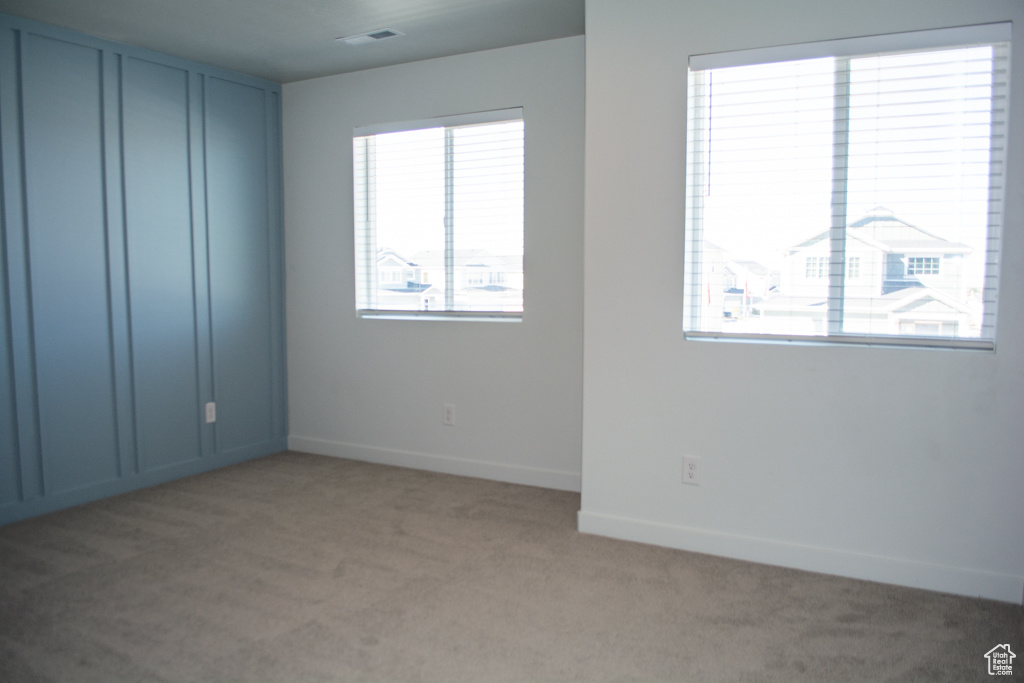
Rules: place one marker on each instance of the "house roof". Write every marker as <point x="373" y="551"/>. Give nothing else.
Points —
<point x="908" y="299"/>
<point x="880" y="229"/>
<point x="900" y="301"/>
<point x="795" y="304"/>
<point x="751" y="267"/>
<point x="408" y="288"/>
<point x="385" y="254"/>
<point x="464" y="258"/>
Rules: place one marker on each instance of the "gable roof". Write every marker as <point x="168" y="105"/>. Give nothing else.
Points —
<point x="385" y="254"/>
<point x="903" y="301"/>
<point x="880" y="229"/>
<point x="464" y="258"/>
<point x="921" y="298"/>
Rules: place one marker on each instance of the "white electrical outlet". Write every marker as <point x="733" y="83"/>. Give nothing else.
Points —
<point x="211" y="412"/>
<point x="691" y="470"/>
<point x="448" y="415"/>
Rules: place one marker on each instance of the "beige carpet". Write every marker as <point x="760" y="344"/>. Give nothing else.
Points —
<point x="307" y="568"/>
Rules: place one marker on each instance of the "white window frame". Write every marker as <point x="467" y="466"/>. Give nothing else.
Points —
<point x="365" y="238"/>
<point x="816" y="267"/>
<point x="852" y="267"/>
<point x="843" y="48"/>
<point x="923" y="265"/>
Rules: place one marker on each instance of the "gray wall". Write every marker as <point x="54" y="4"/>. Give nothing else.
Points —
<point x="142" y="268"/>
<point x="373" y="389"/>
<point x="902" y="466"/>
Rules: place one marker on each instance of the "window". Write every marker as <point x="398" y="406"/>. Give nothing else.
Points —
<point x="817" y="267"/>
<point x="852" y="267"/>
<point x="922" y="265"/>
<point x="439" y="217"/>
<point x="822" y="164"/>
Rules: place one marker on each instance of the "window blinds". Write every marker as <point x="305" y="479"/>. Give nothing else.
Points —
<point x="439" y="216"/>
<point x="855" y="197"/>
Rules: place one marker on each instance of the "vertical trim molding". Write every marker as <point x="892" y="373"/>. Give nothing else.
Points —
<point x="200" y="254"/>
<point x="118" y="288"/>
<point x="19" y="290"/>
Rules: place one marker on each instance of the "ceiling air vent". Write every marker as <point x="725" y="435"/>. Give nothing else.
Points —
<point x="371" y="36"/>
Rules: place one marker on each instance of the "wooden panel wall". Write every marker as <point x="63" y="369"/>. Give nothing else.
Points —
<point x="141" y="267"/>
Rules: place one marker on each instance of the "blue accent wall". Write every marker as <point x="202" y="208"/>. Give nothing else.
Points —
<point x="141" y="268"/>
<point x="240" y="282"/>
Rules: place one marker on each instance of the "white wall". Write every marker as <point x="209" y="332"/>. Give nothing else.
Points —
<point x="902" y="466"/>
<point x="373" y="389"/>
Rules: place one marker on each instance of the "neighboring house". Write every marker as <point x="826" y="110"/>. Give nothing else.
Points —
<point x="730" y="289"/>
<point x="750" y="277"/>
<point x="883" y="254"/>
<point x="473" y="268"/>
<point x="393" y="271"/>
<point x="401" y="285"/>
<point x="714" y="282"/>
<point x="899" y="279"/>
<point x="913" y="310"/>
<point x="747" y="283"/>
<point x="419" y="283"/>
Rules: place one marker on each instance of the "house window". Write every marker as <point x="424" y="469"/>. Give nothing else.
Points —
<point x="442" y="196"/>
<point x="852" y="267"/>
<point x="917" y="265"/>
<point x="817" y="267"/>
<point x="868" y="144"/>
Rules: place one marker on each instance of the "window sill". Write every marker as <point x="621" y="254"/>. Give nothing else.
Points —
<point x="920" y="343"/>
<point x="446" y="316"/>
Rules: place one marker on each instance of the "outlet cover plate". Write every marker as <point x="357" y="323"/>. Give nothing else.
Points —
<point x="691" y="470"/>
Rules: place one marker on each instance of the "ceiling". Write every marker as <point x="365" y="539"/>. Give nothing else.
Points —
<point x="292" y="40"/>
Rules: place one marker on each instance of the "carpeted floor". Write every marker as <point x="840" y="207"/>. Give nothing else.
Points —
<point x="306" y="568"/>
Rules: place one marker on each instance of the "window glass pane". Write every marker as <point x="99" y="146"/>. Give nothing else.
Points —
<point x="439" y="219"/>
<point x="410" y="217"/>
<point x="854" y="196"/>
<point x="766" y="190"/>
<point x="918" y="188"/>
<point x="488" y="245"/>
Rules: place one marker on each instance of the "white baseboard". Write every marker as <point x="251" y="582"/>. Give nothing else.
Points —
<point x="513" y="474"/>
<point x="900" y="572"/>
